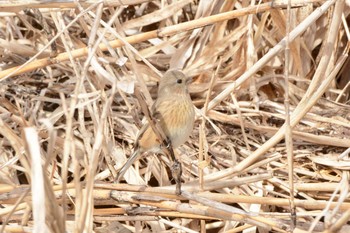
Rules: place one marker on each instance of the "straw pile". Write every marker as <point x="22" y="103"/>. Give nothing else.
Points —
<point x="69" y="115"/>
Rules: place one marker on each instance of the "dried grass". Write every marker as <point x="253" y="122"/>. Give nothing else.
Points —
<point x="69" y="116"/>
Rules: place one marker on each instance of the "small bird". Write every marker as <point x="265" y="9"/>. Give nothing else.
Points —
<point x="175" y="112"/>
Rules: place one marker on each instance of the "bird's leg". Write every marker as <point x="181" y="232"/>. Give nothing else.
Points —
<point x="176" y="171"/>
<point x="176" y="168"/>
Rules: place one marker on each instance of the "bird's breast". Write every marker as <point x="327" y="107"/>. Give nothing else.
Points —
<point x="177" y="119"/>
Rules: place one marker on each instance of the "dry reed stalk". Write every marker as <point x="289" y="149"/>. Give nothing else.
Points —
<point x="69" y="72"/>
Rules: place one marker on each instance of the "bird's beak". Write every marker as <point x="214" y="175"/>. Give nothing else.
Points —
<point x="189" y="80"/>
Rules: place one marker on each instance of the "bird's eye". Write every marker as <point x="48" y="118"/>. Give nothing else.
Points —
<point x="179" y="81"/>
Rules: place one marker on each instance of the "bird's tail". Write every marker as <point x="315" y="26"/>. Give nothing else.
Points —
<point x="128" y="163"/>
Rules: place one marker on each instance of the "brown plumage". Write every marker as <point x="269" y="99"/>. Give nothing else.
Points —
<point x="175" y="112"/>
